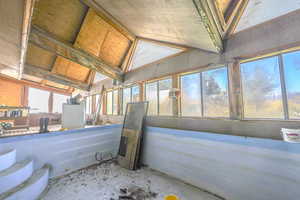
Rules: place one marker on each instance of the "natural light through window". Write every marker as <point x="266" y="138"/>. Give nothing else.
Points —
<point x="38" y="100"/>
<point x="165" y="103"/>
<point x="109" y="104"/>
<point x="151" y="97"/>
<point x="58" y="100"/>
<point x="291" y="63"/>
<point x="215" y="93"/>
<point x="262" y="94"/>
<point x="191" y="95"/>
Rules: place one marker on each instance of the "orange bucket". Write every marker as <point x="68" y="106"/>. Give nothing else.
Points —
<point x="171" y="197"/>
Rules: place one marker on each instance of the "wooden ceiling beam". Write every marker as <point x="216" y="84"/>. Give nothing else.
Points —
<point x="28" y="12"/>
<point x="50" y="43"/>
<point x="35" y="85"/>
<point x="207" y="18"/>
<point x="47" y="75"/>
<point x="236" y="18"/>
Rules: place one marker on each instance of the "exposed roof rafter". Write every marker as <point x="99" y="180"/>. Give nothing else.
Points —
<point x="28" y="12"/>
<point x="47" y="75"/>
<point x="48" y="42"/>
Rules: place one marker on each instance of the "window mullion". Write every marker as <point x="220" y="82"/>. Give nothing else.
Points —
<point x="157" y="93"/>
<point x="283" y="88"/>
<point x="201" y="88"/>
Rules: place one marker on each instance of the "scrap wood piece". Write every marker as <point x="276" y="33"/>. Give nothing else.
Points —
<point x="130" y="144"/>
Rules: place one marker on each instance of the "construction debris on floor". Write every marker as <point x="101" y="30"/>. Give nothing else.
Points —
<point x="111" y="182"/>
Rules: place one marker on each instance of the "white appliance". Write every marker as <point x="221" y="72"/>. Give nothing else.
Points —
<point x="73" y="116"/>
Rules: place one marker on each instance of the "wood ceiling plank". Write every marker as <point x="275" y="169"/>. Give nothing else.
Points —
<point x="61" y="66"/>
<point x="47" y="75"/>
<point x="92" y="33"/>
<point x="109" y="19"/>
<point x="114" y="48"/>
<point x="46" y="41"/>
<point x="70" y="69"/>
<point x="78" y="72"/>
<point x="62" y="18"/>
<point x="39" y="57"/>
<point x="102" y="40"/>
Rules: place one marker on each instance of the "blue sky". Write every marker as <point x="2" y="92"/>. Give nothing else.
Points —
<point x="291" y="65"/>
<point x="270" y="66"/>
<point x="292" y="71"/>
<point x="191" y="82"/>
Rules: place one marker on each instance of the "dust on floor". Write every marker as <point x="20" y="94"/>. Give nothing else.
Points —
<point x="111" y="182"/>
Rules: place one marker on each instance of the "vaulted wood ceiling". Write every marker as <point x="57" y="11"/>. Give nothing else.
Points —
<point x="71" y="40"/>
<point x="74" y="23"/>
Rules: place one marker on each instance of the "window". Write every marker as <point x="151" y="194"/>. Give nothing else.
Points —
<point x="112" y="100"/>
<point x="38" y="100"/>
<point x="157" y="93"/>
<point x="58" y="100"/>
<point x="165" y="103"/>
<point x="126" y="98"/>
<point x="262" y="93"/>
<point x="291" y="63"/>
<point x="135" y="94"/>
<point x="213" y="86"/>
<point x="109" y="100"/>
<point x="97" y="105"/>
<point x="130" y="94"/>
<point x="152" y="98"/>
<point x="88" y="105"/>
<point x="215" y="93"/>
<point x="191" y="95"/>
<point x="115" y="102"/>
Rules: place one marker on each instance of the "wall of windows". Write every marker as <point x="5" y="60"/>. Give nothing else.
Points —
<point x="157" y="93"/>
<point x="271" y="87"/>
<point x="130" y="94"/>
<point x="205" y="94"/>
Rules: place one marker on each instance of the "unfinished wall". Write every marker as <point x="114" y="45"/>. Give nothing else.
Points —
<point x="11" y="93"/>
<point x="236" y="168"/>
<point x="65" y="151"/>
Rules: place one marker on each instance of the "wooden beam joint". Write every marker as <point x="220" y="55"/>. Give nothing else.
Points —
<point x="47" y="75"/>
<point x="48" y="42"/>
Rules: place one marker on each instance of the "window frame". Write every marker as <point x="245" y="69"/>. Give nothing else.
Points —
<point x="106" y="102"/>
<point x="282" y="87"/>
<point x="200" y="71"/>
<point x="124" y="109"/>
<point x="157" y="93"/>
<point x="112" y="101"/>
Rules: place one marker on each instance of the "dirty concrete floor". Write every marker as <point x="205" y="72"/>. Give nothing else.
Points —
<point x="105" y="181"/>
